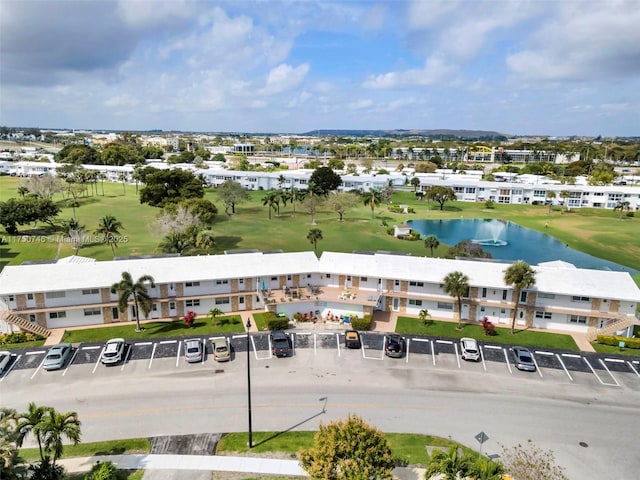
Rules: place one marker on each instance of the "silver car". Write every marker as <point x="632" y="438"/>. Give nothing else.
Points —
<point x="113" y="351"/>
<point x="193" y="350"/>
<point x="5" y="358"/>
<point x="57" y="356"/>
<point x="523" y="359"/>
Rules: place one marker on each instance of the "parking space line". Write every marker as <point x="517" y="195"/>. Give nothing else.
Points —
<point x="143" y="344"/>
<point x="609" y="372"/>
<point x="455" y="346"/>
<point x="571" y="355"/>
<point x="37" y="369"/>
<point x="129" y="350"/>
<point x="71" y="361"/>
<point x="204" y="349"/>
<point x="564" y="367"/>
<point x="616" y="360"/>
<point x="38" y="352"/>
<point x="4" y="375"/>
<point x="293" y="344"/>
<point x="407" y="356"/>
<point x="630" y="366"/>
<point x="539" y="352"/>
<point x="338" y="342"/>
<point x="494" y="347"/>
<point x="178" y="354"/>
<point x="433" y="352"/>
<point x="153" y="352"/>
<point x="91" y="347"/>
<point x="384" y="343"/>
<point x="594" y="372"/>
<point x="484" y="365"/>
<point x="166" y="342"/>
<point x="98" y="361"/>
<point x="506" y="359"/>
<point x="535" y="362"/>
<point x="255" y="352"/>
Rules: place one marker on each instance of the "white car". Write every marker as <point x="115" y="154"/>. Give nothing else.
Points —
<point x="5" y="358"/>
<point x="469" y="348"/>
<point x="113" y="351"/>
<point x="193" y="350"/>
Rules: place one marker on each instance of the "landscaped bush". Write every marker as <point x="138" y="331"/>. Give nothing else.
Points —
<point x="361" y="323"/>
<point x="189" y="318"/>
<point x="488" y="327"/>
<point x="614" y="341"/>
<point x="18" y="337"/>
<point x="389" y="230"/>
<point x="276" y="323"/>
<point x="630" y="214"/>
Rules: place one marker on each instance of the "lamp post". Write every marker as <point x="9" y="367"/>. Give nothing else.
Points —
<point x="249" y="383"/>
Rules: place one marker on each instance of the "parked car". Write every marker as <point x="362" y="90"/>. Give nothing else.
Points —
<point x="281" y="344"/>
<point x="221" y="349"/>
<point x="523" y="359"/>
<point x="352" y="339"/>
<point x="193" y="350"/>
<point x="395" y="346"/>
<point x="113" y="351"/>
<point x="57" y="356"/>
<point x="5" y="358"/>
<point x="469" y="349"/>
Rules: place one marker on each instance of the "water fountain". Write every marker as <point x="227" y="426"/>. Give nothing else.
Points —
<point x="489" y="233"/>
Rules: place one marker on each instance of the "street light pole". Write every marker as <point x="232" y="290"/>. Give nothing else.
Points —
<point x="249" y="383"/>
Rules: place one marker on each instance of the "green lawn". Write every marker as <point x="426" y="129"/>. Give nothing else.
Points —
<point x="633" y="352"/>
<point x="110" y="447"/>
<point x="9" y="346"/>
<point x="176" y="328"/>
<point x="435" y="328"/>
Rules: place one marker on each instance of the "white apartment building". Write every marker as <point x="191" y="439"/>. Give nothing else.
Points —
<point x="76" y="290"/>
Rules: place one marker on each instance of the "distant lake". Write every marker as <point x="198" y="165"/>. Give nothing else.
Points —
<point x="510" y="241"/>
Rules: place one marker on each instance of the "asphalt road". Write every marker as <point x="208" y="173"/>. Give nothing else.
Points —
<point x="429" y="391"/>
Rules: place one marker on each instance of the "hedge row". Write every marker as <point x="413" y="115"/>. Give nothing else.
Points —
<point x="18" y="337"/>
<point x="277" y="323"/>
<point x="614" y="341"/>
<point x="361" y="323"/>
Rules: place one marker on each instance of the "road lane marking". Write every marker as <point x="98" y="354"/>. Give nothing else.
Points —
<point x="564" y="367"/>
<point x="75" y="354"/>
<point x="609" y="372"/>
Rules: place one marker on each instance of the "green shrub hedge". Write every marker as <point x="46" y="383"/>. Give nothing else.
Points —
<point x="614" y="341"/>
<point x="276" y="323"/>
<point x="361" y="323"/>
<point x="18" y="337"/>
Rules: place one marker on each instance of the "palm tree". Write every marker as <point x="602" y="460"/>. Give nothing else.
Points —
<point x="176" y="242"/>
<point x="431" y="242"/>
<point x="11" y="467"/>
<point x="214" y="312"/>
<point x="456" y="284"/>
<point x="281" y="181"/>
<point x="205" y="239"/>
<point x="270" y="199"/>
<point x="372" y="198"/>
<point x="55" y="427"/>
<point x="109" y="227"/>
<point x="622" y="206"/>
<point x="565" y="194"/>
<point x="551" y="195"/>
<point x="31" y="422"/>
<point x="520" y="275"/>
<point x="424" y="316"/>
<point x="126" y="289"/>
<point x="314" y="235"/>
<point x="450" y="463"/>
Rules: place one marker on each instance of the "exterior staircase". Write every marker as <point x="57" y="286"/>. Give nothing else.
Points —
<point x="24" y="324"/>
<point x="620" y="324"/>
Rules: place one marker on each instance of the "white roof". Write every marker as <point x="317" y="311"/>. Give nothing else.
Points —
<point x="73" y="276"/>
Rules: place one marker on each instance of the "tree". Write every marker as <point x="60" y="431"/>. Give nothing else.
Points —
<point x="204" y="209"/>
<point x="311" y="204"/>
<point x="431" y="242"/>
<point x="441" y="195"/>
<point x="372" y="198"/>
<point x="415" y="183"/>
<point x="467" y="249"/>
<point x="529" y="462"/>
<point x="424" y="316"/>
<point x="323" y="180"/>
<point x="11" y="465"/>
<point x="622" y="205"/>
<point x="31" y="422"/>
<point x="550" y="196"/>
<point x="232" y="193"/>
<point x="55" y="428"/>
<point x="26" y="210"/>
<point x="341" y="202"/>
<point x="78" y="154"/>
<point x="43" y="187"/>
<point x="127" y="289"/>
<point x="109" y="228"/>
<point x="456" y="284"/>
<point x="270" y="200"/>
<point x="564" y="195"/>
<point x="520" y="275"/>
<point x="176" y="242"/>
<point x="314" y="235"/>
<point x="169" y="186"/>
<point x="349" y="449"/>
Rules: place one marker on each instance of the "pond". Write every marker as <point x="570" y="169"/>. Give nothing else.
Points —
<point x="510" y="241"/>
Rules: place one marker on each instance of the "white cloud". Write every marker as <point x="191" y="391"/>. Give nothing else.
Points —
<point x="284" y="77"/>
<point x="435" y="71"/>
<point x="360" y="104"/>
<point x="155" y="13"/>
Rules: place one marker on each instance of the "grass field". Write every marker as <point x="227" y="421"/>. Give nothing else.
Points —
<point x="598" y="232"/>
<point x="435" y="328"/>
<point x="89" y="449"/>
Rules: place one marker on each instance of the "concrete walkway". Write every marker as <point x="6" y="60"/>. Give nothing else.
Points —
<point x="209" y="463"/>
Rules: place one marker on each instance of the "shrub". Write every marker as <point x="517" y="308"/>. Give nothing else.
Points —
<point x="615" y="340"/>
<point x="189" y="318"/>
<point x="18" y="337"/>
<point x="488" y="327"/>
<point x="630" y="214"/>
<point x="489" y="204"/>
<point x="389" y="230"/>
<point x="276" y="323"/>
<point x="361" y="323"/>
<point x="103" y="471"/>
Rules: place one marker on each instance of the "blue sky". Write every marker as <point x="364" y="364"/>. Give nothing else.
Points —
<point x="565" y="67"/>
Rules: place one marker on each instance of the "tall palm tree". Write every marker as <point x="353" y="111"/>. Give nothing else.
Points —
<point x="127" y="289"/>
<point x="314" y="235"/>
<point x="31" y="422"/>
<point x="281" y="181"/>
<point x="565" y="194"/>
<point x="550" y="196"/>
<point x="456" y="284"/>
<point x="520" y="275"/>
<point x="109" y="227"/>
<point x="431" y="242"/>
<point x="622" y="206"/>
<point x="270" y="200"/>
<point x="55" y="427"/>
<point x="372" y="198"/>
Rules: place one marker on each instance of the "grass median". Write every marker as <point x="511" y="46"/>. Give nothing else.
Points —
<point x="129" y="446"/>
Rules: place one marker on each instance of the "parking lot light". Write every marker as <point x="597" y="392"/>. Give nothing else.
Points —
<point x="248" y="325"/>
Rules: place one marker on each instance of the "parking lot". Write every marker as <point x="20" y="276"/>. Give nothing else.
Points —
<point x="423" y="353"/>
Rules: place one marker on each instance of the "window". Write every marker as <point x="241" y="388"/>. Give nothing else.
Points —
<point x="416" y="303"/>
<point x="274" y="279"/>
<point x="172" y="305"/>
<point x="32" y="318"/>
<point x="363" y="279"/>
<point x="55" y="294"/>
<point x="192" y="284"/>
<point x="445" y="306"/>
<point x="29" y="296"/>
<point x="11" y="298"/>
<point x="580" y="299"/>
<point x="484" y="293"/>
<point x="482" y="309"/>
<point x="546" y="295"/>
<point x="53" y="315"/>
<point x="241" y="281"/>
<point x="241" y="300"/>
<point x="222" y="301"/>
<point x="90" y="291"/>
<point x="416" y="284"/>
<point x="192" y="303"/>
<point x="328" y="275"/>
<point x="88" y="312"/>
<point x="224" y="282"/>
<point x="578" y="319"/>
<point x="523" y="297"/>
<point x="504" y="294"/>
<point x="289" y="277"/>
<point x="544" y="315"/>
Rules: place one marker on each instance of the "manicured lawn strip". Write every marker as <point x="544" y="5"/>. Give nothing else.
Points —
<point x="632" y="352"/>
<point x="261" y="320"/>
<point x="176" y="328"/>
<point x="110" y="447"/>
<point x="121" y="475"/>
<point x="9" y="346"/>
<point x="410" y="449"/>
<point x="413" y="326"/>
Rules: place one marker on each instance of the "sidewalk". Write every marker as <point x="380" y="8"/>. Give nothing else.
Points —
<point x="211" y="463"/>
